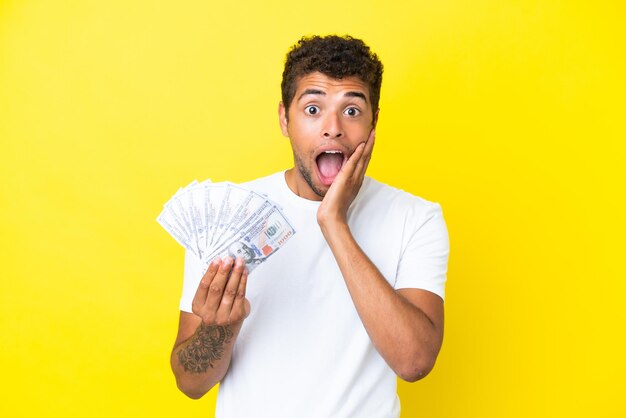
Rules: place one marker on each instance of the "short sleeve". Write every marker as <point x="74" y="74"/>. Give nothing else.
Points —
<point x="194" y="271"/>
<point x="424" y="260"/>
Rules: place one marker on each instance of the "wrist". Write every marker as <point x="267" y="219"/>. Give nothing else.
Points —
<point x="330" y="219"/>
<point x="332" y="228"/>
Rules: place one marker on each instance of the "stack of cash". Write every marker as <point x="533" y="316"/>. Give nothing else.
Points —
<point x="223" y="219"/>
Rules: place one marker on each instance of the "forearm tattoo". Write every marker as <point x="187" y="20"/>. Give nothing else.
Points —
<point x="205" y="348"/>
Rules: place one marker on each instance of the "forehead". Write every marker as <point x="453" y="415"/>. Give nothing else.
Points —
<point x="319" y="81"/>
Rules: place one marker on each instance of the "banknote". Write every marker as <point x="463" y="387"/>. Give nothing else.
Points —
<point x="258" y="241"/>
<point x="224" y="219"/>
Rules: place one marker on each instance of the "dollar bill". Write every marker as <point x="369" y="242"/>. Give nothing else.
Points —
<point x="258" y="241"/>
<point x="224" y="219"/>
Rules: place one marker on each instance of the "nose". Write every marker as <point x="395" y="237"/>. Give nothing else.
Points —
<point x="332" y="126"/>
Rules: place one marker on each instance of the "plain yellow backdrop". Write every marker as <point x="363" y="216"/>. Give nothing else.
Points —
<point x="508" y="113"/>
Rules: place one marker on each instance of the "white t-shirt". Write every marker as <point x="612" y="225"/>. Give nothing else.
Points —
<point x="303" y="351"/>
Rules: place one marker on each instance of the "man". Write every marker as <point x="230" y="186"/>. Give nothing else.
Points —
<point x="353" y="299"/>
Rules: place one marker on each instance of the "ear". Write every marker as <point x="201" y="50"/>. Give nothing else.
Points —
<point x="375" y="121"/>
<point x="282" y="119"/>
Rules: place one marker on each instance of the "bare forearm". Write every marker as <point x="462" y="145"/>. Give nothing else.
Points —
<point x="401" y="332"/>
<point x="205" y="340"/>
<point x="201" y="361"/>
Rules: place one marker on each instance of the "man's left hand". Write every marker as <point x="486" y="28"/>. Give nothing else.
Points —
<point x="337" y="201"/>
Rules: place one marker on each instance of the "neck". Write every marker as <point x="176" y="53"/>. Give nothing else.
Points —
<point x="299" y="185"/>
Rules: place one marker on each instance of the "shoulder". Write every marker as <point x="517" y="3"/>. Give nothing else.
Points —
<point x="396" y="202"/>
<point x="266" y="183"/>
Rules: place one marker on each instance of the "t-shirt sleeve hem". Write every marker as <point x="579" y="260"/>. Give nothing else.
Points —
<point x="432" y="289"/>
<point x="184" y="306"/>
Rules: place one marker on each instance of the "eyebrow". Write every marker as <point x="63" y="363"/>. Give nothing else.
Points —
<point x="356" y="94"/>
<point x="311" y="91"/>
<point x="322" y="93"/>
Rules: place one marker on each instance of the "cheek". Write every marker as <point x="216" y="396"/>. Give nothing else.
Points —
<point x="358" y="132"/>
<point x="303" y="136"/>
<point x="307" y="130"/>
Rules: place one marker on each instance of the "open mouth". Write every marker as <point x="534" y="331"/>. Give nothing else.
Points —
<point x="329" y="164"/>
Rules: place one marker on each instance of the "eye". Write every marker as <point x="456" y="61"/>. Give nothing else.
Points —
<point x="311" y="110"/>
<point x="352" y="111"/>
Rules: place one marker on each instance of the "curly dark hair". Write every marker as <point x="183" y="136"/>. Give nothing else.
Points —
<point x="336" y="57"/>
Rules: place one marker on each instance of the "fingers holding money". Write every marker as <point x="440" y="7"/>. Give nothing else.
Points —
<point x="220" y="298"/>
<point x="199" y="300"/>
<point x="232" y="297"/>
<point x="216" y="288"/>
<point x="241" y="306"/>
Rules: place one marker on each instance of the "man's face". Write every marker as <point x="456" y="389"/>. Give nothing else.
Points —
<point x="328" y="119"/>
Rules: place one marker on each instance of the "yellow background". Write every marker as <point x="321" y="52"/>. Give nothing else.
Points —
<point x="508" y="113"/>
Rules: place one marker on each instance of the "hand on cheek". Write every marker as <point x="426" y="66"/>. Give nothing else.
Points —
<point x="335" y="205"/>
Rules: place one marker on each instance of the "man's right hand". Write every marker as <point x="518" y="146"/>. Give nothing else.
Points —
<point x="204" y="345"/>
<point x="220" y="298"/>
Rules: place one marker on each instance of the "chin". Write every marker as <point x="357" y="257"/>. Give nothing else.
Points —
<point x="309" y="176"/>
<point x="319" y="190"/>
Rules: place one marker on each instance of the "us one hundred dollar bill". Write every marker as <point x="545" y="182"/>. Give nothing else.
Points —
<point x="224" y="219"/>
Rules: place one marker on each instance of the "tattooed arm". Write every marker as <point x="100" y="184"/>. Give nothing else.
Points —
<point x="205" y="340"/>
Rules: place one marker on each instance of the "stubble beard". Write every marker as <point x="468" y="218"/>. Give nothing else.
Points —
<point x="307" y="176"/>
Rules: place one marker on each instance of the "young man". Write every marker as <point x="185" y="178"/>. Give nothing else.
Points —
<point x="354" y="299"/>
